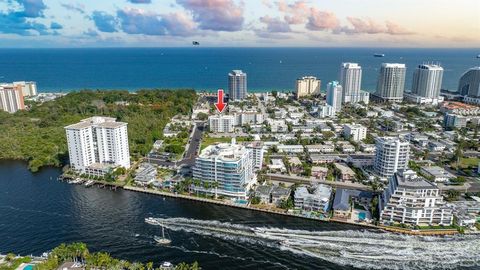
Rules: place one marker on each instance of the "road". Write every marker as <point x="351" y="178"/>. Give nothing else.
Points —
<point x="193" y="146"/>
<point x="190" y="154"/>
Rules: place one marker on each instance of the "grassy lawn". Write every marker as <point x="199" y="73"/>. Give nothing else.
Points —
<point x="206" y="140"/>
<point x="15" y="263"/>
<point x="466" y="162"/>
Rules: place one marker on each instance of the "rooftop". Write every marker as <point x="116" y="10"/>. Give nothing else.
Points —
<point x="97" y="121"/>
<point x="224" y="152"/>
<point x="410" y="180"/>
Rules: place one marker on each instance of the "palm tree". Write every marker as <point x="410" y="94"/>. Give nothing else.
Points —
<point x="149" y="266"/>
<point x="197" y="183"/>
<point x="215" y="185"/>
<point x="459" y="153"/>
<point x="206" y="186"/>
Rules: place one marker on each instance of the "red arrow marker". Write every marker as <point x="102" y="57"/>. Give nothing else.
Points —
<point x="220" y="104"/>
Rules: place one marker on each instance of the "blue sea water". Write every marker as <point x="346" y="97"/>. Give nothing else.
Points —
<point x="207" y="68"/>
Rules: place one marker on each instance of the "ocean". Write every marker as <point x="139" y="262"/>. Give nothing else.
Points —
<point x="206" y="69"/>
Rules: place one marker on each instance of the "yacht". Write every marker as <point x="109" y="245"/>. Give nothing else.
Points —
<point x="379" y="55"/>
<point x="162" y="240"/>
<point x="166" y="265"/>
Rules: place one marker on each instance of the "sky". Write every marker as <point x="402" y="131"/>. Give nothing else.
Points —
<point x="240" y="23"/>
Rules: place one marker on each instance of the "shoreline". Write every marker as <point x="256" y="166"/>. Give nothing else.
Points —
<point x="115" y="186"/>
<point x="425" y="232"/>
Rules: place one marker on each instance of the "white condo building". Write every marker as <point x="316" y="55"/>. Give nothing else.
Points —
<point x="325" y="111"/>
<point x="355" y="132"/>
<point x="334" y="95"/>
<point x="257" y="153"/>
<point x="469" y="83"/>
<point x="307" y="86"/>
<point x="29" y="89"/>
<point x="221" y="123"/>
<point x="11" y="98"/>
<point x="391" y="155"/>
<point x="427" y="80"/>
<point x="230" y="165"/>
<point x="237" y="85"/>
<point x="351" y="81"/>
<point x="391" y="82"/>
<point x="410" y="199"/>
<point x="426" y="85"/>
<point x="97" y="144"/>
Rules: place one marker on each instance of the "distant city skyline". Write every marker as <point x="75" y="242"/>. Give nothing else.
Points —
<point x="235" y="23"/>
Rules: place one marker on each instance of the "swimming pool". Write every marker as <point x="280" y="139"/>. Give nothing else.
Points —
<point x="362" y="216"/>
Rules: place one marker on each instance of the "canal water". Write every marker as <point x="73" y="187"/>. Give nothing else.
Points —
<point x="38" y="213"/>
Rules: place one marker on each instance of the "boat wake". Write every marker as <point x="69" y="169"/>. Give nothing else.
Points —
<point x="362" y="249"/>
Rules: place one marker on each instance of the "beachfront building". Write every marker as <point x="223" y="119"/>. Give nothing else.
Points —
<point x="391" y="155"/>
<point x="426" y="85"/>
<point x="237" y="85"/>
<point x="410" y="199"/>
<point x="334" y="96"/>
<point x="469" y="83"/>
<point x="221" y="123"/>
<point x="11" y="98"/>
<point x="307" y="86"/>
<point x="355" y="132"/>
<point x="29" y="89"/>
<point x="318" y="200"/>
<point x="98" y="144"/>
<point x="351" y="81"/>
<point x="229" y="166"/>
<point x="391" y="82"/>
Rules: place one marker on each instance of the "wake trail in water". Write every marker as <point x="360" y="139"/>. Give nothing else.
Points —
<point x="362" y="249"/>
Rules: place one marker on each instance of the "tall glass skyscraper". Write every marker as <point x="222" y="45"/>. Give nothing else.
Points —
<point x="469" y="84"/>
<point x="391" y="82"/>
<point x="237" y="85"/>
<point x="427" y="81"/>
<point x="334" y="95"/>
<point x="350" y="80"/>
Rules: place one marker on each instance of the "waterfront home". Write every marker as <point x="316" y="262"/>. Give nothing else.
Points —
<point x="279" y="194"/>
<point x="145" y="174"/>
<point x="273" y="195"/>
<point x="317" y="200"/>
<point x="264" y="193"/>
<point x="344" y="198"/>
